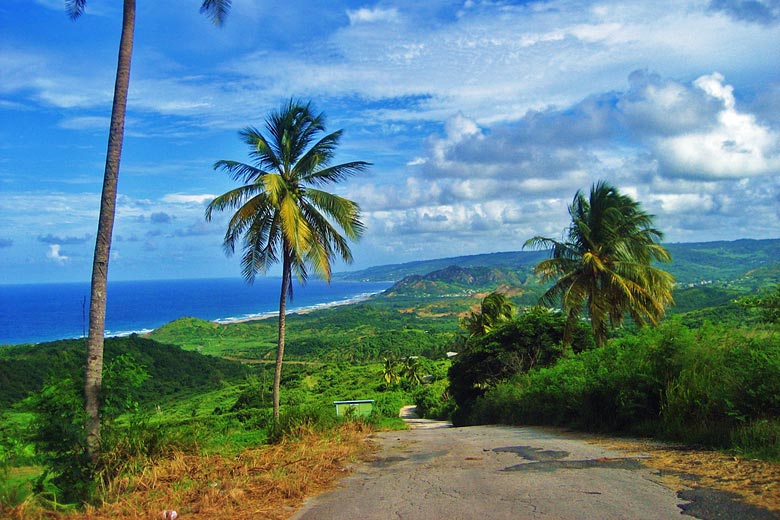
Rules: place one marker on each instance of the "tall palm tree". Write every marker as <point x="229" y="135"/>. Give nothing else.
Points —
<point x="281" y="214"/>
<point x="216" y="10"/>
<point x="494" y="309"/>
<point x="605" y="265"/>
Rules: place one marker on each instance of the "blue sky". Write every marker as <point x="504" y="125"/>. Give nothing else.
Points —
<point x="482" y="118"/>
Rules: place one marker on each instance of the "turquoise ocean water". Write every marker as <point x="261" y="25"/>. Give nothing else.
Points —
<point x="47" y="312"/>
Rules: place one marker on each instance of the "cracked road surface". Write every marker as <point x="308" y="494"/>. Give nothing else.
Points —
<point x="497" y="472"/>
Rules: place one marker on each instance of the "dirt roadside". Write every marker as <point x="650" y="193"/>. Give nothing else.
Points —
<point x="755" y="482"/>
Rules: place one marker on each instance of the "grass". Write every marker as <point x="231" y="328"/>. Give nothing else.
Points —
<point x="266" y="482"/>
<point x="205" y="438"/>
<point x="755" y="481"/>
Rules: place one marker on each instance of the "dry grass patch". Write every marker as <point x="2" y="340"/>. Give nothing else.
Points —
<point x="757" y="482"/>
<point x="269" y="482"/>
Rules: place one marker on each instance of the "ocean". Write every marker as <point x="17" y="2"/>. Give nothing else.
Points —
<point x="46" y="312"/>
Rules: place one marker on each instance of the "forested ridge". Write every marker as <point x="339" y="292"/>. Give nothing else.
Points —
<point x="691" y="262"/>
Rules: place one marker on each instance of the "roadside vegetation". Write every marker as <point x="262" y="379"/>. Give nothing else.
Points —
<point x="715" y="384"/>
<point x="188" y="412"/>
<point x="163" y="407"/>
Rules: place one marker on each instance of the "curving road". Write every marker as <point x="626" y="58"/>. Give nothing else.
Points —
<point x="496" y="472"/>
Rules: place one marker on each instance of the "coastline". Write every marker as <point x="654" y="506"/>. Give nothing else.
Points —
<point x="44" y="313"/>
<point x="298" y="310"/>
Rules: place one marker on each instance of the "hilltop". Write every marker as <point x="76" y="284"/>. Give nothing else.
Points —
<point x="692" y="263"/>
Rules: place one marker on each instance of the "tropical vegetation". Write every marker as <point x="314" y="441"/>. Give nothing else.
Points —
<point x="200" y="391"/>
<point x="281" y="214"/>
<point x="494" y="309"/>
<point x="605" y="265"/>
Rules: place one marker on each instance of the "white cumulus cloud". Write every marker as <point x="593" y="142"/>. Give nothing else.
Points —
<point x="181" y="198"/>
<point x="736" y="146"/>
<point x="54" y="254"/>
<point x="367" y="15"/>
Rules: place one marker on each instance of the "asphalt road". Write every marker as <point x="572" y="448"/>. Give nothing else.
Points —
<point x="495" y="472"/>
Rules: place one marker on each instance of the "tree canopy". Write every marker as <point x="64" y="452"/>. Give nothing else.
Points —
<point x="605" y="263"/>
<point x="281" y="214"/>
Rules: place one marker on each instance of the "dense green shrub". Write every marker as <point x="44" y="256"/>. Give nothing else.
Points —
<point x="60" y="439"/>
<point x="717" y="385"/>
<point x="59" y="435"/>
<point x="533" y="339"/>
<point x="388" y="404"/>
<point x="730" y="377"/>
<point x="433" y="400"/>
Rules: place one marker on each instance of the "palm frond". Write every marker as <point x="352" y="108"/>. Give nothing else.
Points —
<point x="240" y="172"/>
<point x="332" y="242"/>
<point x="259" y="247"/>
<point x="336" y="173"/>
<point x="318" y="155"/>
<point x="344" y="212"/>
<point x="294" y="227"/>
<point x="217" y="10"/>
<point x="232" y="199"/>
<point x="254" y="212"/>
<point x="75" y="8"/>
<point x="265" y="154"/>
<point x="292" y="129"/>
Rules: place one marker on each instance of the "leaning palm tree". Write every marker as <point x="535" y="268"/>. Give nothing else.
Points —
<point x="216" y="10"/>
<point x="605" y="264"/>
<point x="494" y="309"/>
<point x="280" y="212"/>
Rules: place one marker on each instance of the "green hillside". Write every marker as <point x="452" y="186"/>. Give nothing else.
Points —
<point x="691" y="262"/>
<point x="520" y="260"/>
<point x="25" y="368"/>
<point x="459" y="281"/>
<point x="364" y="331"/>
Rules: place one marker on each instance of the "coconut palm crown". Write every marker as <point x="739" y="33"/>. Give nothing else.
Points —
<point x="494" y="309"/>
<point x="605" y="263"/>
<point x="281" y="214"/>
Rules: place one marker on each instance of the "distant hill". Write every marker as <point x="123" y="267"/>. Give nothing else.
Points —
<point x="25" y="368"/>
<point x="720" y="261"/>
<point x="459" y="281"/>
<point x="515" y="260"/>
<point x="692" y="263"/>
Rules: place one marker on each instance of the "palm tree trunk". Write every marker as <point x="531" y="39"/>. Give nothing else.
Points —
<point x="97" y="303"/>
<point x="286" y="274"/>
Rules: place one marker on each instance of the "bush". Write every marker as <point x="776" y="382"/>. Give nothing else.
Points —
<point x="59" y="434"/>
<point x="532" y="340"/>
<point x="297" y="421"/>
<point x="433" y="400"/>
<point x="388" y="404"/>
<point x="717" y="385"/>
